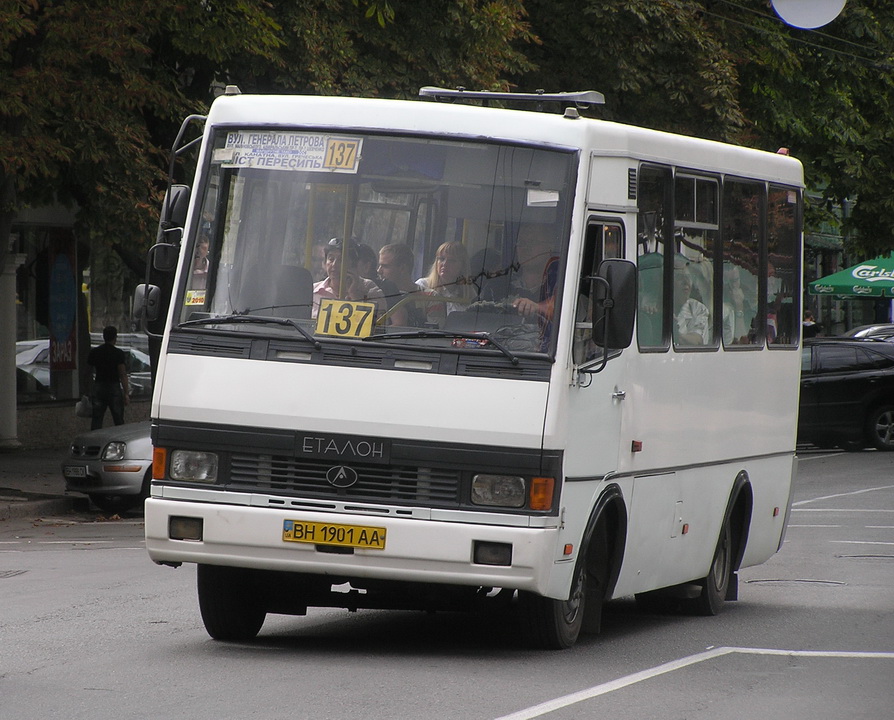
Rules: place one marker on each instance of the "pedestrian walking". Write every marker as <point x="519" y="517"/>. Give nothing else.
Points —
<point x="110" y="388"/>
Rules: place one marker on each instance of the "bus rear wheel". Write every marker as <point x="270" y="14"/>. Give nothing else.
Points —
<point x="554" y="624"/>
<point x="715" y="585"/>
<point x="230" y="610"/>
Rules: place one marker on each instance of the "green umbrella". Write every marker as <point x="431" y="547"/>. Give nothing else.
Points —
<point x="873" y="278"/>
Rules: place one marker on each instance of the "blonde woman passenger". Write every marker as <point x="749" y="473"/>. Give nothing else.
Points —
<point x="448" y="278"/>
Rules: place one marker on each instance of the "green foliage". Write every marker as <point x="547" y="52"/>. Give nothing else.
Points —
<point x="390" y="49"/>
<point x="93" y="93"/>
<point x="654" y="60"/>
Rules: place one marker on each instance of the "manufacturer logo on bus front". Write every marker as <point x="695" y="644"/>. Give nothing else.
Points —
<point x="341" y="476"/>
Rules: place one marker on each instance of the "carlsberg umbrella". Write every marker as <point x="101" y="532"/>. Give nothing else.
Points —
<point x="873" y="278"/>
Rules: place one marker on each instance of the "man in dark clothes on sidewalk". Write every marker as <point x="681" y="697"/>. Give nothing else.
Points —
<point x="110" y="385"/>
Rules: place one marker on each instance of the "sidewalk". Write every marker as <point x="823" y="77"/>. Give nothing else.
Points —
<point x="31" y="483"/>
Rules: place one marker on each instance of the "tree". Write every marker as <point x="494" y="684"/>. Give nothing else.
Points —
<point x="89" y="88"/>
<point x="391" y="48"/>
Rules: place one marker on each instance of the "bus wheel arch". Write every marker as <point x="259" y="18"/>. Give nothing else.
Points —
<point x="603" y="547"/>
<point x="556" y="624"/>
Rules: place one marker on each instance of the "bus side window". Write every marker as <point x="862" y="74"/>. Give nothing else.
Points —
<point x="654" y="237"/>
<point x="783" y="263"/>
<point x="742" y="205"/>
<point x="602" y="241"/>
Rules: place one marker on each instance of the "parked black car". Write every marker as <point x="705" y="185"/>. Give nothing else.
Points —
<point x="847" y="393"/>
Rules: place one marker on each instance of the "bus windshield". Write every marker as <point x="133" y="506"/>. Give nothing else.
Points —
<point x="422" y="241"/>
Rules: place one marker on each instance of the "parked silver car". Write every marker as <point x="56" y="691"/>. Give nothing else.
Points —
<point x="112" y="465"/>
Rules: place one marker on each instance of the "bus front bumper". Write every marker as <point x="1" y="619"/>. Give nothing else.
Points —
<point x="414" y="550"/>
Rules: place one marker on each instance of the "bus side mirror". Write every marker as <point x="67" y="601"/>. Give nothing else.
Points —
<point x="166" y="250"/>
<point x="174" y="208"/>
<point x="615" y="304"/>
<point x="146" y="303"/>
<point x="165" y="256"/>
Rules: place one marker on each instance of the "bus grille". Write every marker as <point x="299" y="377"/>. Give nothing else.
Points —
<point x="402" y="485"/>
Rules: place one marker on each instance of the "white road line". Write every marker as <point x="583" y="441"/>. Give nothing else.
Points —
<point x="562" y="702"/>
<point x="842" y="510"/>
<point x="861" y="542"/>
<point x="847" y="494"/>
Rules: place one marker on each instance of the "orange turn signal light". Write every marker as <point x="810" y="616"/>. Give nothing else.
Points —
<point x="540" y="496"/>
<point x="159" y="463"/>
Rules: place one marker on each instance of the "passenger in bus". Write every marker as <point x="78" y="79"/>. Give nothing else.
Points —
<point x="650" y="279"/>
<point x="396" y="266"/>
<point x="692" y="320"/>
<point x="367" y="267"/>
<point x="200" y="265"/>
<point x="736" y="313"/>
<point x="342" y="280"/>
<point x="447" y="278"/>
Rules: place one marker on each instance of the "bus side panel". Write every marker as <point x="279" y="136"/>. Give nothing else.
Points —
<point x="675" y="521"/>
<point x="702" y="407"/>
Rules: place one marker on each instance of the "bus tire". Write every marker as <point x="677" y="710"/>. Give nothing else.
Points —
<point x="229" y="609"/>
<point x="554" y="624"/>
<point x="715" y="585"/>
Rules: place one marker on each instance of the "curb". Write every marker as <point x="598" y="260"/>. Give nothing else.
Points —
<point x="16" y="509"/>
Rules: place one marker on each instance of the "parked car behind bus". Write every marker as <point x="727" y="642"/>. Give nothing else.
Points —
<point x="847" y="393"/>
<point x="112" y="465"/>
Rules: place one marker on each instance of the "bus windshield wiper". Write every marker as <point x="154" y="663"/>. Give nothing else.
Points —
<point x="447" y="334"/>
<point x="235" y="319"/>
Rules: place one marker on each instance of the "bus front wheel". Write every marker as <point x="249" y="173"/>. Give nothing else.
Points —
<point x="227" y="603"/>
<point x="554" y="624"/>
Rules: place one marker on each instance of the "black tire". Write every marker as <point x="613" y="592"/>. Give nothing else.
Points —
<point x="228" y="603"/>
<point x="880" y="427"/>
<point x="714" y="586"/>
<point x="554" y="624"/>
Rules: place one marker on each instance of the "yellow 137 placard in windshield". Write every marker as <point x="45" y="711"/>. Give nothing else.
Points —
<point x="345" y="318"/>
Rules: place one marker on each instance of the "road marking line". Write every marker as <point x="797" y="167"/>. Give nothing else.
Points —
<point x="847" y="494"/>
<point x="562" y="702"/>
<point x="861" y="542"/>
<point x="843" y="510"/>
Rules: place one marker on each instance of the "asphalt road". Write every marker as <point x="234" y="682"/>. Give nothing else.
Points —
<point x="90" y="628"/>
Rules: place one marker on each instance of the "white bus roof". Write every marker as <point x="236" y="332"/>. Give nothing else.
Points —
<point x="597" y="137"/>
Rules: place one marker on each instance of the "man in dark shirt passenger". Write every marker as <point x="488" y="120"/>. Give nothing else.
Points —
<point x="110" y="387"/>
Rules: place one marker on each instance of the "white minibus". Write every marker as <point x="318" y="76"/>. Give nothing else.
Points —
<point x="473" y="349"/>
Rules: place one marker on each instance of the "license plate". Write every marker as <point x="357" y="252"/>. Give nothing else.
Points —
<point x="74" y="471"/>
<point x="318" y="533"/>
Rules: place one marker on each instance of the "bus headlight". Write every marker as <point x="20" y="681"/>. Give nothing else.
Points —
<point x="194" y="466"/>
<point x="499" y="490"/>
